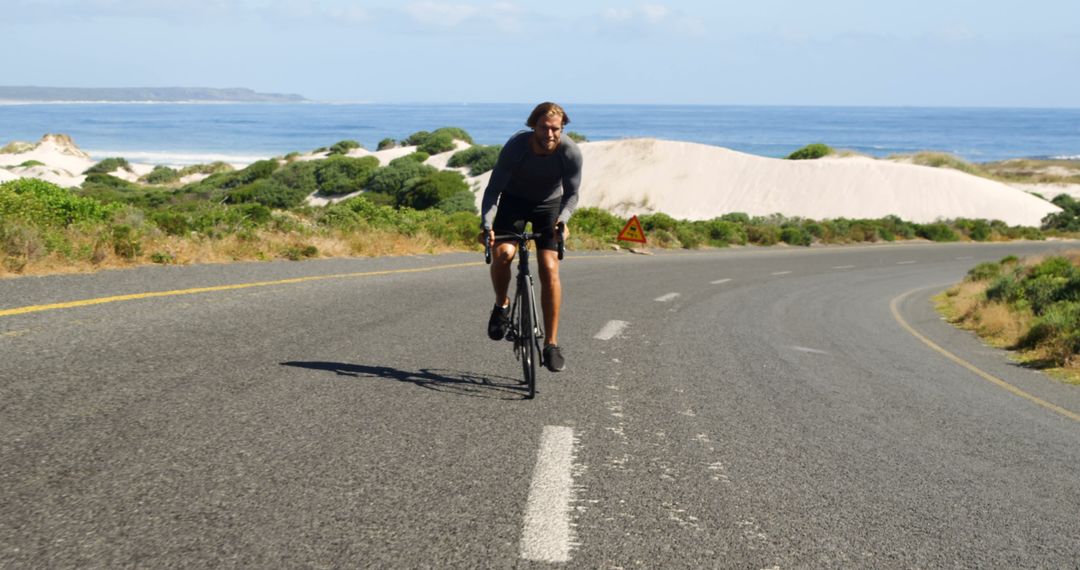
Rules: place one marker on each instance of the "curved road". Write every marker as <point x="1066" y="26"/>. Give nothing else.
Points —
<point x="726" y="409"/>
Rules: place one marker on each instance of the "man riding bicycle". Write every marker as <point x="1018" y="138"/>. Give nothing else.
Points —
<point x="536" y="180"/>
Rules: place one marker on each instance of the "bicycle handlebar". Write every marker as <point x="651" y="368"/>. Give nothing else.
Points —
<point x="520" y="238"/>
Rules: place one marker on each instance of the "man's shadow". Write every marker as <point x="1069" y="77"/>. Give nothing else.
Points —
<point x="454" y="382"/>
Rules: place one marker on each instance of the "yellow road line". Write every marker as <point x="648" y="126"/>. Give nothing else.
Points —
<point x="984" y="375"/>
<point x="150" y="295"/>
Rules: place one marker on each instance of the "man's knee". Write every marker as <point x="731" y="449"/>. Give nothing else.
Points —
<point x="548" y="265"/>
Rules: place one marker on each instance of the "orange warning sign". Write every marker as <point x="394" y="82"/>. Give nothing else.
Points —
<point x="632" y="231"/>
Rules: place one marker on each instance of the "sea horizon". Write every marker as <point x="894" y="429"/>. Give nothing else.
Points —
<point x="179" y="133"/>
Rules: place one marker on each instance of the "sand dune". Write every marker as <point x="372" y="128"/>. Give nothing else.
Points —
<point x="694" y="181"/>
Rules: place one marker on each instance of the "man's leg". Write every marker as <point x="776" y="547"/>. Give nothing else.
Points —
<point x="550" y="293"/>
<point x="500" y="271"/>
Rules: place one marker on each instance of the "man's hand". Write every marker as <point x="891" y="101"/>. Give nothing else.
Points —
<point x="486" y="237"/>
<point x="561" y="227"/>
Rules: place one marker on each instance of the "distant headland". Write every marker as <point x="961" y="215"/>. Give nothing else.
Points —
<point x="25" y="94"/>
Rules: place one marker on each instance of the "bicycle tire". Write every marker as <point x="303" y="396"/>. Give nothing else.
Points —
<point x="526" y="340"/>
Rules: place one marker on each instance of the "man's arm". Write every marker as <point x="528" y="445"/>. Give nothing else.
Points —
<point x="500" y="177"/>
<point x="571" y="181"/>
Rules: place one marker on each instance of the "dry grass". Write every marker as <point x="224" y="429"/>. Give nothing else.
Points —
<point x="261" y="246"/>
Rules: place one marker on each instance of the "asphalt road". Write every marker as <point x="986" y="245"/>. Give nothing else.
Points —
<point x="753" y="408"/>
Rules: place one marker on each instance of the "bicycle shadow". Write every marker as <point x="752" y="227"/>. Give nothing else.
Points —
<point x="449" y="381"/>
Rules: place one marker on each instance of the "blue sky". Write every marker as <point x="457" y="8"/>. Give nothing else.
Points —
<point x="765" y="52"/>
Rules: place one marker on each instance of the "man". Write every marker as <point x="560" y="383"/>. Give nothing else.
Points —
<point x="536" y="180"/>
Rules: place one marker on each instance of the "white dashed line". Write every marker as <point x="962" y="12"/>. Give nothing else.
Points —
<point x="964" y="257"/>
<point x="611" y="330"/>
<point x="810" y="350"/>
<point x="780" y="273"/>
<point x="666" y="298"/>
<point x="719" y="281"/>
<point x="904" y="262"/>
<point x="844" y="267"/>
<point x="547" y="536"/>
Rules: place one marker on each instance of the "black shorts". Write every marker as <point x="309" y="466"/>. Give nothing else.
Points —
<point x="513" y="212"/>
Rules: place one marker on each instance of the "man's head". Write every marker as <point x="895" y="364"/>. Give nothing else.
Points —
<point x="547" y="121"/>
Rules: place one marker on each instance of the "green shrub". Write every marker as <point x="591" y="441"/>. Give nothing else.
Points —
<point x="690" y="236"/>
<point x="1053" y="267"/>
<point x="342" y="174"/>
<point x="810" y="152"/>
<point x="597" y="223"/>
<point x="721" y="233"/>
<point x="391" y="179"/>
<point x="430" y="189"/>
<point x="460" y="202"/>
<point x="576" y="137"/>
<point x="126" y="242"/>
<point x="657" y="221"/>
<point x="457" y="228"/>
<point x="299" y="176"/>
<point x="1057" y="329"/>
<point x="269" y="193"/>
<point x="454" y="133"/>
<point x="794" y="235"/>
<point x="984" y="272"/>
<point x="298" y="252"/>
<point x="44" y="204"/>
<point x="343" y="147"/>
<point x="437" y="143"/>
<point x="417" y="138"/>
<point x="161" y="175"/>
<point x="418" y="156"/>
<point x="31" y="163"/>
<point x="937" y="232"/>
<point x="1005" y="289"/>
<point x="212" y="168"/>
<point x="479" y="159"/>
<point x="1042" y="291"/>
<point x="109" y="165"/>
<point x="386" y="144"/>
<point x="763" y="235"/>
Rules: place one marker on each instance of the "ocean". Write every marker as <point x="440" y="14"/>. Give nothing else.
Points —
<point x="188" y="133"/>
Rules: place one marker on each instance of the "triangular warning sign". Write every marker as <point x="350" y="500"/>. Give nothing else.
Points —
<point x="632" y="231"/>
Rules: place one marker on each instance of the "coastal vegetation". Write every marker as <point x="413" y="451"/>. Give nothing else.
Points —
<point x="811" y="152"/>
<point x="478" y="159"/>
<point x="1030" y="305"/>
<point x="265" y="211"/>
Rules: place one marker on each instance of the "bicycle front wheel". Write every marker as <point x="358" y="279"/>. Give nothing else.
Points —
<point x="526" y="343"/>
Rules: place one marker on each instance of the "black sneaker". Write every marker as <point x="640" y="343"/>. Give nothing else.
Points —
<point x="553" y="358"/>
<point x="499" y="322"/>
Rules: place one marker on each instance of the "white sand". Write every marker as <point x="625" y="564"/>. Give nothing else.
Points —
<point x="695" y="181"/>
<point x="1049" y="191"/>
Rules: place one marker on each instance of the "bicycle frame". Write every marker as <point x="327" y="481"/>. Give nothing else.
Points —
<point x="526" y="330"/>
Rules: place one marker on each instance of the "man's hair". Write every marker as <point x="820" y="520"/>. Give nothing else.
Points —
<point x="547" y="109"/>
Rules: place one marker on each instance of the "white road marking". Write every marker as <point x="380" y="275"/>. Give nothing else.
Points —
<point x="781" y="273"/>
<point x="810" y="350"/>
<point x="719" y="281"/>
<point x="904" y="262"/>
<point x="611" y="330"/>
<point x="666" y="298"/>
<point x="844" y="267"/>
<point x="547" y="536"/>
<point x="963" y="257"/>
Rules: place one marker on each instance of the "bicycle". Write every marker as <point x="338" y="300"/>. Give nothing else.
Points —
<point x="525" y="330"/>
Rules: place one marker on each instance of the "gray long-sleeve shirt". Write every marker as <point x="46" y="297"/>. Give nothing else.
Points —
<point x="522" y="173"/>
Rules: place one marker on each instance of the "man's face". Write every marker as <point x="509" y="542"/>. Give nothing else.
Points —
<point x="547" y="132"/>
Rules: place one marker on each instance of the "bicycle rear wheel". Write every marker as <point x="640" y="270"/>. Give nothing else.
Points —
<point x="526" y="342"/>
